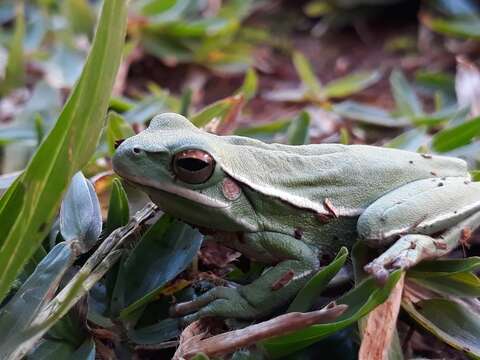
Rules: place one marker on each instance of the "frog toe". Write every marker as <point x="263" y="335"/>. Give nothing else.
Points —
<point x="378" y="271"/>
<point x="219" y="301"/>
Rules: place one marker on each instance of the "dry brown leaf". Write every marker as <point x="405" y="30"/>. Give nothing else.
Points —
<point x="380" y="325"/>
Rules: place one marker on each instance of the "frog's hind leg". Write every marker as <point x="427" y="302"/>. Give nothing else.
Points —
<point x="427" y="218"/>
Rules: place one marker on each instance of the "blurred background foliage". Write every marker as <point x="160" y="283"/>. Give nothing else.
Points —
<point x="391" y="73"/>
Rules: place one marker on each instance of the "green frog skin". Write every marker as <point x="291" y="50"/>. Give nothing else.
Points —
<point x="287" y="206"/>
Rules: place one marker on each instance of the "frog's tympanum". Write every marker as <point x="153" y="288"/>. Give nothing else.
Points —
<point x="289" y="206"/>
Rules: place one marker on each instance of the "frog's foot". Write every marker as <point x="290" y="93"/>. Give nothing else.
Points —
<point x="297" y="262"/>
<point x="429" y="217"/>
<point x="219" y="301"/>
<point x="410" y="249"/>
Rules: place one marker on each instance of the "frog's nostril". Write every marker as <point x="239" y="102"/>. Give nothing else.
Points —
<point x="137" y="150"/>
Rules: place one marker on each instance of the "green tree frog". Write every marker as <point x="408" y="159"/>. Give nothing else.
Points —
<point x="288" y="206"/>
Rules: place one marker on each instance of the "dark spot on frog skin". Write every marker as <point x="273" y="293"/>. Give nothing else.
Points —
<point x="411" y="162"/>
<point x="324" y="218"/>
<point x="466" y="182"/>
<point x="426" y="156"/>
<point x="433" y="173"/>
<point x="298" y="233"/>
<point x="440" y="184"/>
<point x="283" y="280"/>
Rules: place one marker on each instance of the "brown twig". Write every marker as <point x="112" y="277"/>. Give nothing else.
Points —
<point x="193" y="339"/>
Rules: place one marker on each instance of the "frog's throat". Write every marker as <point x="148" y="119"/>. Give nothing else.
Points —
<point x="179" y="191"/>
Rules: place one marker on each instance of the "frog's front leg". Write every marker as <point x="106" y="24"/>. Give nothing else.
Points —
<point x="427" y="218"/>
<point x="295" y="261"/>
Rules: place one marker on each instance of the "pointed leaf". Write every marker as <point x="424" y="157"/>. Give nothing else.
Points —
<point x="118" y="210"/>
<point x="406" y="99"/>
<point x="351" y="84"/>
<point x="80" y="217"/>
<point x="66" y="149"/>
<point x="250" y="84"/>
<point x="306" y="73"/>
<point x="454" y="137"/>
<point x="117" y="129"/>
<point x="306" y="296"/>
<point x="444" y="267"/>
<point x="163" y="252"/>
<point x="16" y="317"/>
<point x="360" y="300"/>
<point x="14" y="71"/>
<point x="464" y="284"/>
<point x="369" y="115"/>
<point x="298" y="130"/>
<point x="450" y="321"/>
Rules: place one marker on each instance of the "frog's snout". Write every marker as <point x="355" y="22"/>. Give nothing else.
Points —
<point x="122" y="156"/>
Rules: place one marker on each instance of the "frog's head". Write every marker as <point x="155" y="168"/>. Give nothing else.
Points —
<point x="176" y="164"/>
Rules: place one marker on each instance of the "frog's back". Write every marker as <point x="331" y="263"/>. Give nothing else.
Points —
<point x="351" y="177"/>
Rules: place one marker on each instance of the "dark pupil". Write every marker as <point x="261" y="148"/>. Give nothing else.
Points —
<point x="191" y="164"/>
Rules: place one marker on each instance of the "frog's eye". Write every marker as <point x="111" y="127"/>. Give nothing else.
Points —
<point x="193" y="166"/>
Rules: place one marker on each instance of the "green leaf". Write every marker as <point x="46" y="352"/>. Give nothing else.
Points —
<point x="297" y="132"/>
<point x="306" y="73"/>
<point x="351" y="84"/>
<point x="14" y="71"/>
<point x="118" y="210"/>
<point x="80" y="16"/>
<point x="450" y="321"/>
<point x="440" y="117"/>
<point x="361" y="300"/>
<point x="454" y="137"/>
<point x="163" y="252"/>
<point x="406" y="99"/>
<point x="370" y="115"/>
<point x="80" y="216"/>
<point x="200" y="356"/>
<point x="250" y="84"/>
<point x="185" y="101"/>
<point x="444" y="267"/>
<point x="265" y="130"/>
<point x="395" y="352"/>
<point x="410" y="140"/>
<point x="217" y="109"/>
<point x="309" y="293"/>
<point x="465" y="284"/>
<point x="147" y="108"/>
<point x="153" y="334"/>
<point x="465" y="27"/>
<point x="51" y="349"/>
<point x="67" y="148"/>
<point x="17" y="315"/>
<point x="117" y="129"/>
<point x="436" y="80"/>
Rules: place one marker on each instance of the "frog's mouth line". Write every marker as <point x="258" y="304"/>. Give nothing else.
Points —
<point x="182" y="192"/>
